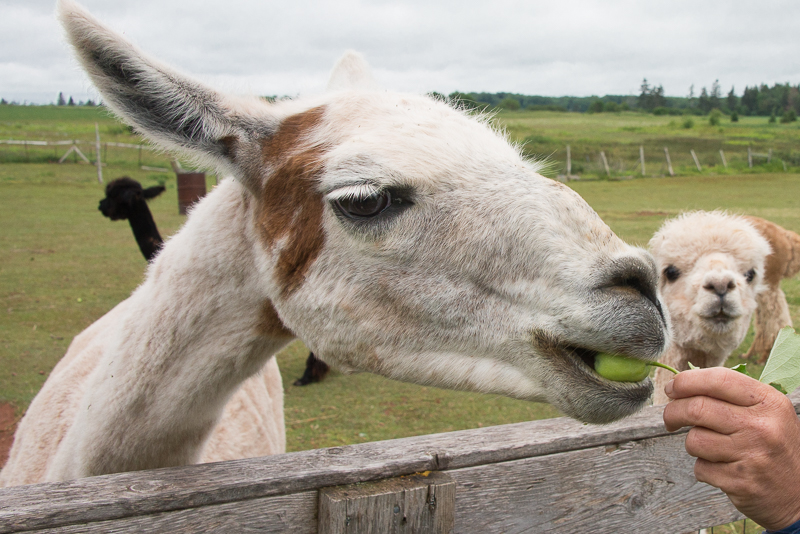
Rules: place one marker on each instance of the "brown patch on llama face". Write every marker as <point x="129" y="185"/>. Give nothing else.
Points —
<point x="291" y="207"/>
<point x="270" y="324"/>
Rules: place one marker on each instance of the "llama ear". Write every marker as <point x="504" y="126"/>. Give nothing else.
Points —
<point x="153" y="192"/>
<point x="350" y="72"/>
<point x="173" y="111"/>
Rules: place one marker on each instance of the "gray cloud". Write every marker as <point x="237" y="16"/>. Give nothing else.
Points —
<point x="575" y="47"/>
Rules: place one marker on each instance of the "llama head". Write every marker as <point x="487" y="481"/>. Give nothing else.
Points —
<point x="712" y="268"/>
<point x="401" y="236"/>
<point x="123" y="194"/>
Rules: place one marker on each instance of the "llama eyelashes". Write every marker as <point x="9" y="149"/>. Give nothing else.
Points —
<point x="366" y="205"/>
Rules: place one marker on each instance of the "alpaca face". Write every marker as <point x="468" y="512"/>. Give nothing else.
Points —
<point x="712" y="268"/>
<point x="400" y="236"/>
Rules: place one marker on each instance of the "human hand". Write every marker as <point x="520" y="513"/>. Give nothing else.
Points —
<point x="746" y="438"/>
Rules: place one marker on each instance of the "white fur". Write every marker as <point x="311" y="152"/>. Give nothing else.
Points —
<point x="711" y="302"/>
<point x="486" y="276"/>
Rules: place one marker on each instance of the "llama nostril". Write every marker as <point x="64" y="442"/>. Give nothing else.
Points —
<point x="635" y="276"/>
<point x="721" y="288"/>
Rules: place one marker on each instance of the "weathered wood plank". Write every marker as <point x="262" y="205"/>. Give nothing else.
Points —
<point x="127" y="495"/>
<point x="643" y="486"/>
<point x="159" y="490"/>
<point x="418" y="504"/>
<point x="283" y="514"/>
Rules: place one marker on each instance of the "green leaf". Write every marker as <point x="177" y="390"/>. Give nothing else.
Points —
<point x="742" y="368"/>
<point x="783" y="366"/>
<point x="779" y="387"/>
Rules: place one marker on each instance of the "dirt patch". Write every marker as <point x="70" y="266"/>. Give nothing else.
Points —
<point x="8" y="424"/>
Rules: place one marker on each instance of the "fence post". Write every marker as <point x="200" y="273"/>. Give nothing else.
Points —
<point x="769" y="156"/>
<point x="569" y="163"/>
<point x="669" y="163"/>
<point x="722" y="155"/>
<point x="641" y="157"/>
<point x="749" y="157"/>
<point x="605" y="163"/>
<point x="97" y="149"/>
<point x="422" y="503"/>
<point x="696" y="161"/>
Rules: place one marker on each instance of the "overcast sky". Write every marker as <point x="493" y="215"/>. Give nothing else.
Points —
<point x="558" y="47"/>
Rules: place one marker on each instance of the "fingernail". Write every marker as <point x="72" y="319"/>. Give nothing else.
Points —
<point x="668" y="388"/>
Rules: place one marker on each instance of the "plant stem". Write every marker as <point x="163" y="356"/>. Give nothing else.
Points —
<point x="663" y="366"/>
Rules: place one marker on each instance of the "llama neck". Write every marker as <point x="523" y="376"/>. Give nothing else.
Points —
<point x="199" y="325"/>
<point x="145" y="230"/>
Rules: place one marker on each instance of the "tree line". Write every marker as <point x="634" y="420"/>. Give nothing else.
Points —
<point x="780" y="100"/>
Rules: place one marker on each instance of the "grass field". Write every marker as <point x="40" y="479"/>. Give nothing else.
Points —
<point x="619" y="135"/>
<point x="64" y="265"/>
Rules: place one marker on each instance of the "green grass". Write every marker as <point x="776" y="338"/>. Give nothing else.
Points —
<point x="545" y="135"/>
<point x="64" y="265"/>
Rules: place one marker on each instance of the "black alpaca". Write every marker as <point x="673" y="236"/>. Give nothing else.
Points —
<point x="315" y="371"/>
<point x="126" y="199"/>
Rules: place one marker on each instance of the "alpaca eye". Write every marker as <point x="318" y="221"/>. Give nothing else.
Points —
<point x="364" y="208"/>
<point x="672" y="273"/>
<point x="750" y="275"/>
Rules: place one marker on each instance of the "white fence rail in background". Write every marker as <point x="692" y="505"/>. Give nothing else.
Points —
<point x="73" y="142"/>
<point x="554" y="475"/>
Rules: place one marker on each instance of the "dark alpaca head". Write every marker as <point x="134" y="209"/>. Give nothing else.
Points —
<point x="126" y="199"/>
<point x="123" y="195"/>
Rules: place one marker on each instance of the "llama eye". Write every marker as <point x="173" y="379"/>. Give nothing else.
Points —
<point x="750" y="275"/>
<point x="672" y="273"/>
<point x="364" y="208"/>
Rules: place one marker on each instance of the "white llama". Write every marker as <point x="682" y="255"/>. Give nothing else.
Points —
<point x="391" y="232"/>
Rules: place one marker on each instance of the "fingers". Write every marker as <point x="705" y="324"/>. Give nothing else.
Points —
<point x="701" y="411"/>
<point x="720" y="383"/>
<point x="711" y="446"/>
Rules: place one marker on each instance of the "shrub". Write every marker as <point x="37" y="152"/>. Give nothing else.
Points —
<point x="688" y="122"/>
<point x="509" y="103"/>
<point x="596" y="107"/>
<point x="611" y="107"/>
<point x="734" y="117"/>
<point x="661" y="110"/>
<point x="714" y="117"/>
<point x="772" y="118"/>
<point x="789" y="116"/>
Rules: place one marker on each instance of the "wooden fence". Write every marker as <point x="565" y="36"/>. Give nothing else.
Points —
<point x="555" y="475"/>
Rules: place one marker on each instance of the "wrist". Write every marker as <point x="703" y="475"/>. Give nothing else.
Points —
<point x="794" y="528"/>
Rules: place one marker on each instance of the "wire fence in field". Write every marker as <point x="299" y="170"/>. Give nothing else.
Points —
<point x="80" y="151"/>
<point x="569" y="162"/>
<point x="627" y="161"/>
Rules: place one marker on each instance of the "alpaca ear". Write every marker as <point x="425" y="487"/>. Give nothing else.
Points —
<point x="350" y="72"/>
<point x="173" y="111"/>
<point x="153" y="192"/>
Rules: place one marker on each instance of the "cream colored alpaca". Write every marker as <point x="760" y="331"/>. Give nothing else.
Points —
<point x="712" y="270"/>
<point x="772" y="312"/>
<point x="391" y="232"/>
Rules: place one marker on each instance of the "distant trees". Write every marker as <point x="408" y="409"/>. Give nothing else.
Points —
<point x="61" y="101"/>
<point x="651" y="98"/>
<point x="732" y="101"/>
<point x="761" y="100"/>
<point x="767" y="101"/>
<point x="509" y="103"/>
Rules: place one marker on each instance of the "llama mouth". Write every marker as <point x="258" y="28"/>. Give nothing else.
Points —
<point x="623" y="369"/>
<point x="581" y="363"/>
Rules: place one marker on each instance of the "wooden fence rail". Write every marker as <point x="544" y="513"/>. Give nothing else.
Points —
<point x="555" y="475"/>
